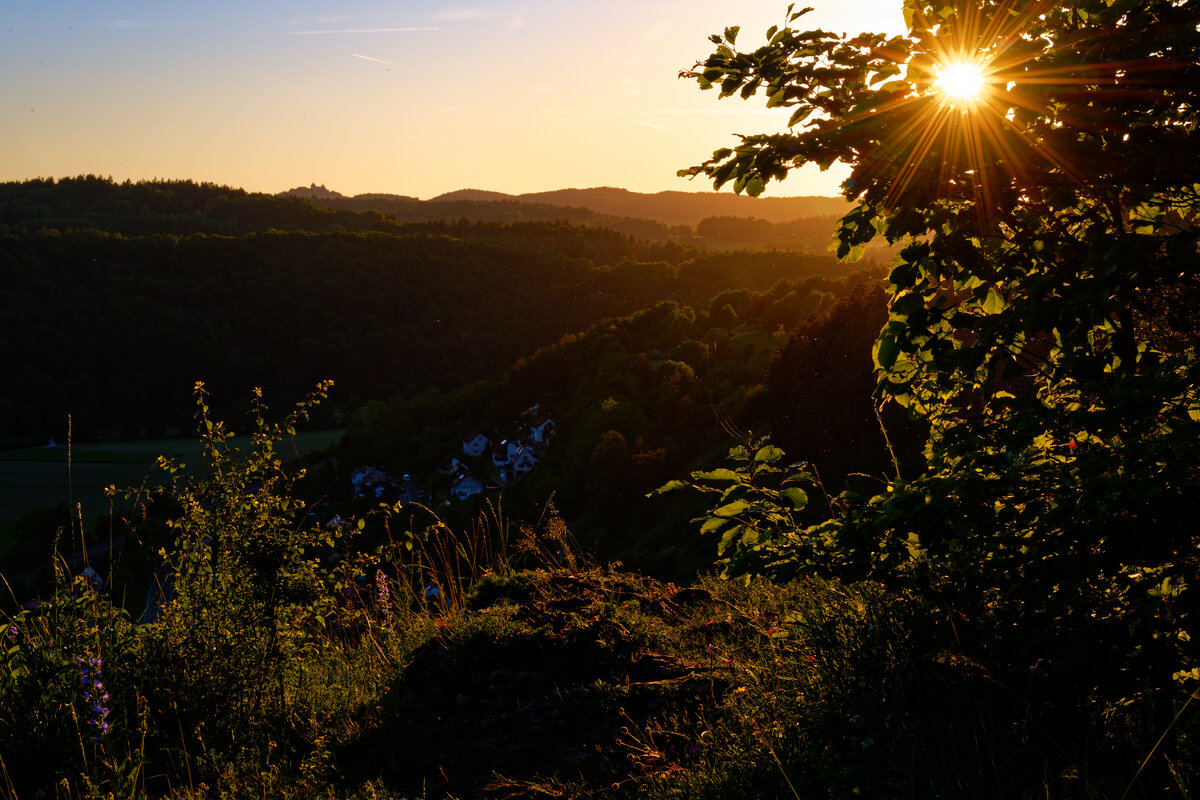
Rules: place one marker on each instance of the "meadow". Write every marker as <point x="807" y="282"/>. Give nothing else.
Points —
<point x="47" y="476"/>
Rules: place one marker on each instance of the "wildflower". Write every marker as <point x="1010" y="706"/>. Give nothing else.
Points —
<point x="94" y="695"/>
<point x="12" y="633"/>
<point x="382" y="588"/>
<point x="383" y="596"/>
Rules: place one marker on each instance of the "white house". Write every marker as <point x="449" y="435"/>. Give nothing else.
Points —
<point x="369" y="480"/>
<point x="465" y="485"/>
<point x="475" y="443"/>
<point x="522" y="460"/>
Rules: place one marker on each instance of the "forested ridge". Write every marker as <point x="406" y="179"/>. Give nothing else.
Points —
<point x="116" y="298"/>
<point x="666" y="209"/>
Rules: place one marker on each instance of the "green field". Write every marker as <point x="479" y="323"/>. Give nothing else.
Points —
<point x="46" y="476"/>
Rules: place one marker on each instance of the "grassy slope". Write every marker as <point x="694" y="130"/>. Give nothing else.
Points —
<point x="603" y="684"/>
<point x="595" y="683"/>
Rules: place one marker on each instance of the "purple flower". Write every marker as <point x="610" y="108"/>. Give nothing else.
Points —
<point x="12" y="633"/>
<point x="94" y="695"/>
<point x="383" y="596"/>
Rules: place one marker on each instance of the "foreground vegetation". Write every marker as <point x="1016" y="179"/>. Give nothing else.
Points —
<point x="288" y="660"/>
<point x="487" y="662"/>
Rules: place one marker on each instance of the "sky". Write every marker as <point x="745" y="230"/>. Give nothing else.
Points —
<point x="395" y="97"/>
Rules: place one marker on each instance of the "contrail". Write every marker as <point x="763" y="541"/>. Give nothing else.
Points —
<point x="376" y="60"/>
<point x="651" y="125"/>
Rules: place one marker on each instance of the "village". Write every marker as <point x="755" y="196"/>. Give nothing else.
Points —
<point x="482" y="464"/>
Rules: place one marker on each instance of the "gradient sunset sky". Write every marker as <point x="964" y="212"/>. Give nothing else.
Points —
<point x="398" y="97"/>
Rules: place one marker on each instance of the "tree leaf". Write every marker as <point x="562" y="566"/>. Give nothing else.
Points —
<point x="796" y="497"/>
<point x="731" y="509"/>
<point x="768" y="454"/>
<point x="721" y="474"/>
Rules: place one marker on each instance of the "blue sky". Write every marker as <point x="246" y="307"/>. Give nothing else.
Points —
<point x="368" y="96"/>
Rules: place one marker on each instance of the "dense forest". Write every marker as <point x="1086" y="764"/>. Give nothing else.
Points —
<point x="640" y="399"/>
<point x="116" y="298"/>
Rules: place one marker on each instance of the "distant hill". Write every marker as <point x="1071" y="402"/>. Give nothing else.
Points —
<point x="474" y="195"/>
<point x="688" y="208"/>
<point x="585" y="205"/>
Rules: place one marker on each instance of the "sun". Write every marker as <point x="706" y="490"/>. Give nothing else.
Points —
<point x="961" y="81"/>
